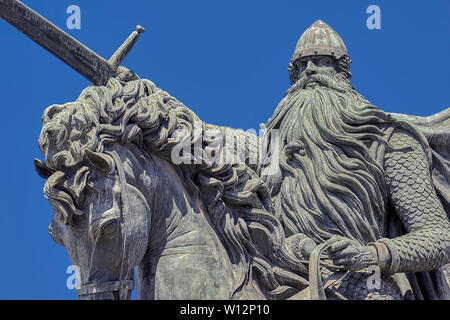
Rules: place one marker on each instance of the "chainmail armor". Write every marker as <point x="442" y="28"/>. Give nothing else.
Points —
<point x="427" y="244"/>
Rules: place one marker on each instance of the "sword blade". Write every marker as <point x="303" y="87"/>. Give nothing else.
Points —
<point x="79" y="57"/>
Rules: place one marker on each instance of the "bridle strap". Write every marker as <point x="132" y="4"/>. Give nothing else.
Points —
<point x="123" y="285"/>
<point x="106" y="287"/>
<point x="124" y="221"/>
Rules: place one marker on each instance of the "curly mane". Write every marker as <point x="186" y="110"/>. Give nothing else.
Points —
<point x="136" y="113"/>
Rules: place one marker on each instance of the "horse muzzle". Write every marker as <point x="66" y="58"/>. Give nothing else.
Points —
<point x="115" y="290"/>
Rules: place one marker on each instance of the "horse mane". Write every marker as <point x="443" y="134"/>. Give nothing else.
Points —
<point x="136" y="113"/>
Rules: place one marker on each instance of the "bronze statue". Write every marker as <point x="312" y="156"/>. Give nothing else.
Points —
<point x="334" y="188"/>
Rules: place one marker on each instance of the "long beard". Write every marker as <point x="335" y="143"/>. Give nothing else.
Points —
<point x="326" y="180"/>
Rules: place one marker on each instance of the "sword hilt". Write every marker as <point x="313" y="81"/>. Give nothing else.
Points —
<point x="120" y="54"/>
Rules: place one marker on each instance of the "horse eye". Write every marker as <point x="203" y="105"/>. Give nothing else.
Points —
<point x="109" y="228"/>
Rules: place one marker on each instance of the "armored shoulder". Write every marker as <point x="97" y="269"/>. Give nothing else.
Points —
<point x="426" y="246"/>
<point x="408" y="177"/>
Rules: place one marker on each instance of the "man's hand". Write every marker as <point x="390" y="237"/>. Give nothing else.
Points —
<point x="351" y="255"/>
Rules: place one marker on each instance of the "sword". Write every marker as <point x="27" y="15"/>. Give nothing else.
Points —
<point x="79" y="57"/>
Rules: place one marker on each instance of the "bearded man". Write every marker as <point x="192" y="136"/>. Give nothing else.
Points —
<point x="357" y="177"/>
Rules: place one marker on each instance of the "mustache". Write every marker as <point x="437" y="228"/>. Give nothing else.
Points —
<point x="320" y="79"/>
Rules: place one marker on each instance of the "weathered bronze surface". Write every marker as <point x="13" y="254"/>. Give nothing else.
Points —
<point x="334" y="189"/>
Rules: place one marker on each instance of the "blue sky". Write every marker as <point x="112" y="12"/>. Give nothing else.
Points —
<point x="225" y="60"/>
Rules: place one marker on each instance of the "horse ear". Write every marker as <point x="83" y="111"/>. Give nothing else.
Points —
<point x="99" y="160"/>
<point x="41" y="169"/>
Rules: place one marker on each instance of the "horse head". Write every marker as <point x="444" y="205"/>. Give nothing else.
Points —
<point x="102" y="220"/>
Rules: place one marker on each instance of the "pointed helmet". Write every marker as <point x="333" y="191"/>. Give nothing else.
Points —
<point x="319" y="39"/>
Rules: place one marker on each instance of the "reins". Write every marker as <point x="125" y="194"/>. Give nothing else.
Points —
<point x="317" y="289"/>
<point x="123" y="285"/>
<point x="124" y="226"/>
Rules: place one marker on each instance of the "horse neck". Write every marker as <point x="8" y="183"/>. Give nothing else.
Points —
<point x="182" y="235"/>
